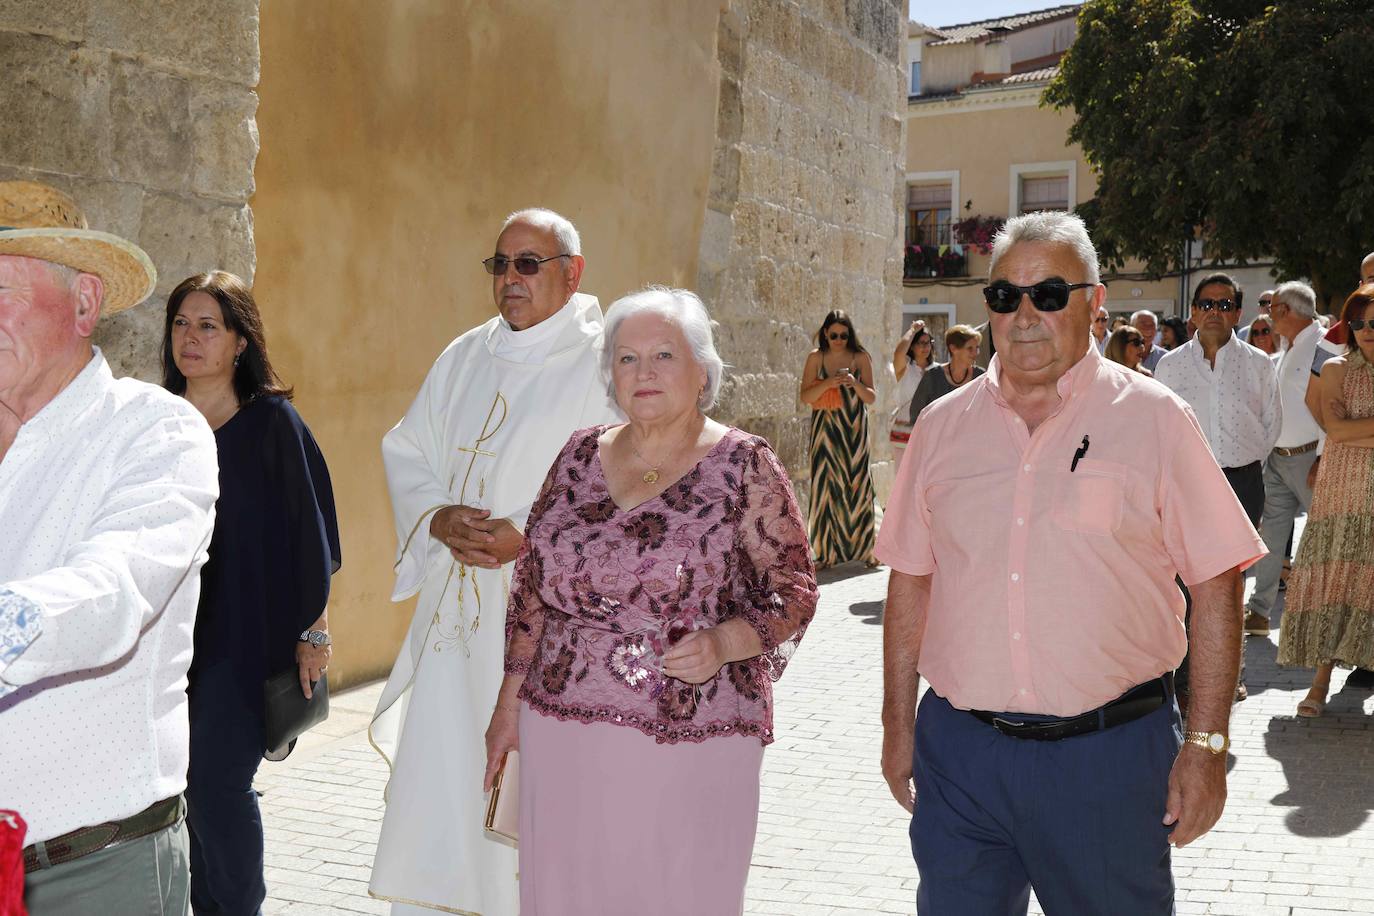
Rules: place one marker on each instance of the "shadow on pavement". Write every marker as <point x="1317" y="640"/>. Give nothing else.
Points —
<point x="1326" y="762"/>
<point x="848" y="571"/>
<point x="870" y="611"/>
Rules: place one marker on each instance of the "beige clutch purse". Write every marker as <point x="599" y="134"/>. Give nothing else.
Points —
<point x="503" y="813"/>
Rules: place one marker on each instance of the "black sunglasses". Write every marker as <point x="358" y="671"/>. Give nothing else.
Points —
<point x="1359" y="324"/>
<point x="1225" y="305"/>
<point x="1047" y="295"/>
<point x="833" y="336"/>
<point x="1260" y="332"/>
<point x="525" y="265"/>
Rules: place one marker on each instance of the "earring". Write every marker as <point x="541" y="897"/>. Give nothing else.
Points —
<point x="236" y="359"/>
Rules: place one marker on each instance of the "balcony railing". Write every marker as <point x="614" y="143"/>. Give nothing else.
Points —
<point x="921" y="262"/>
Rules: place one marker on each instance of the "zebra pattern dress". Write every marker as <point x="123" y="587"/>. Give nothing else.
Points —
<point x="840" y="516"/>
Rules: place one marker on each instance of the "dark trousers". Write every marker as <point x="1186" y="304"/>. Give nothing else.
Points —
<point x="222" y="808"/>
<point x="1248" y="484"/>
<point x="1079" y="820"/>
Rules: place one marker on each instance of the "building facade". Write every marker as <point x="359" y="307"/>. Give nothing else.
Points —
<point x="981" y="147"/>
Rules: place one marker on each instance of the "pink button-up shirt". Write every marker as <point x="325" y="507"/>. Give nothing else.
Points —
<point x="1052" y="589"/>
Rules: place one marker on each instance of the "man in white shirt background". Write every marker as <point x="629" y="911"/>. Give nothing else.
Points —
<point x="1233" y="389"/>
<point x="1287" y="487"/>
<point x="1147" y="323"/>
<point x="107" y="492"/>
<point x="1101" y="329"/>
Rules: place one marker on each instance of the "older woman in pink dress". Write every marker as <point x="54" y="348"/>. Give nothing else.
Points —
<point x="664" y="582"/>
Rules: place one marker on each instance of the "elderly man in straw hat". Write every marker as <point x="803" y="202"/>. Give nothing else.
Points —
<point x="107" y="491"/>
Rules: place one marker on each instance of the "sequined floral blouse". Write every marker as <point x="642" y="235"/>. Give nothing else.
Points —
<point x="600" y="593"/>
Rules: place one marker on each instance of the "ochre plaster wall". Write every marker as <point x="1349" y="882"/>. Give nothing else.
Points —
<point x="395" y="139"/>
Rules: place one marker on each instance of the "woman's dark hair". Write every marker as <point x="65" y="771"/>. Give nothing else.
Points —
<point x="839" y="316"/>
<point x="254" y="376"/>
<point x="1355" y="305"/>
<point x="921" y="335"/>
<point x="1175" y="324"/>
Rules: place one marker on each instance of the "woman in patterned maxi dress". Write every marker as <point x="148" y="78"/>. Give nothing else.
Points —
<point x="1328" y="616"/>
<point x="837" y="382"/>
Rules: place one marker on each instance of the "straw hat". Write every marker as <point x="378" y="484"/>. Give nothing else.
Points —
<point x="39" y="221"/>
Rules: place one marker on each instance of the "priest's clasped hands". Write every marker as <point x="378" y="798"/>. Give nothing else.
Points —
<point x="474" y="538"/>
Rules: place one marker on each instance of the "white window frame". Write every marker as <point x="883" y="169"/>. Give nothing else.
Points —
<point x="956" y="207"/>
<point x="1019" y="170"/>
<point x="914" y="78"/>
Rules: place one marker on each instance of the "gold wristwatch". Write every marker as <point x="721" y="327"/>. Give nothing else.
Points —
<point x="1212" y="742"/>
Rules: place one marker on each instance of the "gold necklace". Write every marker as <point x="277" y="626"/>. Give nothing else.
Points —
<point x="652" y="475"/>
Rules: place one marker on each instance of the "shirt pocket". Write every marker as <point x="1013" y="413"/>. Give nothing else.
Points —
<point x="1092" y="498"/>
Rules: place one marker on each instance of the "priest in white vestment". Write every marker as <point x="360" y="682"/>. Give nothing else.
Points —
<point x="463" y="467"/>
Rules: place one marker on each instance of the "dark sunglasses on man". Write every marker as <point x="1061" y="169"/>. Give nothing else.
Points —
<point x="525" y="265"/>
<point x="1047" y="295"/>
<point x="1222" y="305"/>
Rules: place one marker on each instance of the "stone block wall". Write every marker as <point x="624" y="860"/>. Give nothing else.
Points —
<point x="144" y="111"/>
<point x="804" y="205"/>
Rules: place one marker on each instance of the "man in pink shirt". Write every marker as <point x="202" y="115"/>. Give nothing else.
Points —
<point x="1035" y="530"/>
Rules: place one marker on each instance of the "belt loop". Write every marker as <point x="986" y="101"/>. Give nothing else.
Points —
<point x="1102" y="718"/>
<point x="40" y="849"/>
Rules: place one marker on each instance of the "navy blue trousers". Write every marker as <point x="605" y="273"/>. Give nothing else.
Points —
<point x="221" y="806"/>
<point x="1078" y="820"/>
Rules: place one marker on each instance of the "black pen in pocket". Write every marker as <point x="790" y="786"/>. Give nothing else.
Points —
<point x="1078" y="455"/>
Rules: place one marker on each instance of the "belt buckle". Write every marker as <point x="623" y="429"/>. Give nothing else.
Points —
<point x="1010" y="728"/>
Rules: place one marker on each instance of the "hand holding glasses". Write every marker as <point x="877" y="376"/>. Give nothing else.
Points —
<point x="525" y="265"/>
<point x="1050" y="295"/>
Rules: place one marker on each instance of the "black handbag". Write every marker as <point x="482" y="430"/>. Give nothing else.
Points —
<point x="287" y="714"/>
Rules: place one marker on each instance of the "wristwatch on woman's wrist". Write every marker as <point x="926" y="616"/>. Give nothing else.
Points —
<point x="316" y="638"/>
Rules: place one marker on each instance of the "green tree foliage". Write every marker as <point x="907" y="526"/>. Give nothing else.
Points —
<point x="1249" y="122"/>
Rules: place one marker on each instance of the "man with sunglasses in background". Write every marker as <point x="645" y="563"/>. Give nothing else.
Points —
<point x="1101" y="329"/>
<point x="1046" y="753"/>
<point x="1265" y="303"/>
<point x="1287" y="469"/>
<point x="1147" y="323"/>
<point x="463" y="467"/>
<point x="1234" y="392"/>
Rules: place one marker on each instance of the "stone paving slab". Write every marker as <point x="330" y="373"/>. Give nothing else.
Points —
<point x="1296" y="838"/>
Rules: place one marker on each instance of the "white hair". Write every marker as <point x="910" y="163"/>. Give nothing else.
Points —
<point x="1144" y="313"/>
<point x="564" y="232"/>
<point x="1298" y="296"/>
<point x="1054" y="227"/>
<point x="683" y="308"/>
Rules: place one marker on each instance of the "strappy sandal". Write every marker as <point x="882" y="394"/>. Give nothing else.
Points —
<point x="1309" y="708"/>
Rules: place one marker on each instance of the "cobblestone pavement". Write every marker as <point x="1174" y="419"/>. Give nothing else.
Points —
<point x="1296" y="837"/>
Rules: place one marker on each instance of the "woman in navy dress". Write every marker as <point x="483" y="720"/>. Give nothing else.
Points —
<point x="266" y="584"/>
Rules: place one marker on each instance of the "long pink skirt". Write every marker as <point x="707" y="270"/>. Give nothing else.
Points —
<point x="613" y="823"/>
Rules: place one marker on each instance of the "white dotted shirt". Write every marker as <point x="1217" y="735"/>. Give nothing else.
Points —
<point x="1237" y="404"/>
<point x="107" y="497"/>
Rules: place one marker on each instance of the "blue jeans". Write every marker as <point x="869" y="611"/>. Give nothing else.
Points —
<point x="1079" y="820"/>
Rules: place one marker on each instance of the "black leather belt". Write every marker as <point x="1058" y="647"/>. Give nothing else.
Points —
<point x="1128" y="707"/>
<point x="86" y="840"/>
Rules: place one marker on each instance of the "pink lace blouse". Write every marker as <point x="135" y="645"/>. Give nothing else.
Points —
<point x="600" y="593"/>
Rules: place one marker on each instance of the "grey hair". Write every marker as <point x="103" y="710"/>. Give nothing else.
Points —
<point x="564" y="232"/>
<point x="683" y="308"/>
<point x="1298" y="296"/>
<point x="1054" y="227"/>
<point x="1144" y="313"/>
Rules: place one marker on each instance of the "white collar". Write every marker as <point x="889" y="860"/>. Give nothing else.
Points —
<point x="533" y="343"/>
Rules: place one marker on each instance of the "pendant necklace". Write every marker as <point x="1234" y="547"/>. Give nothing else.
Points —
<point x="651" y="476"/>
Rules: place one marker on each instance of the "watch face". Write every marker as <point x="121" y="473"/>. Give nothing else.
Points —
<point x="1216" y="742"/>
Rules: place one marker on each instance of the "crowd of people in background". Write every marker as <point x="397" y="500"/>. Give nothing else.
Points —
<point x="610" y="581"/>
